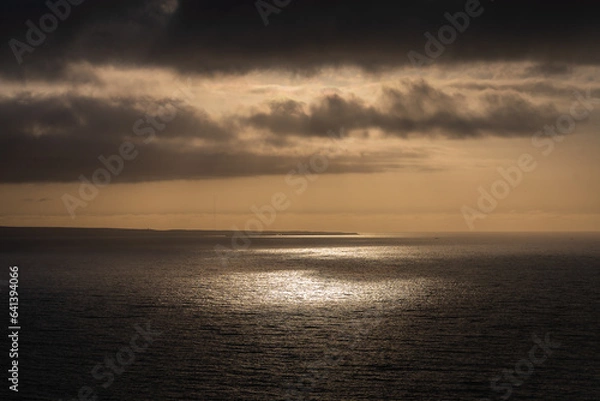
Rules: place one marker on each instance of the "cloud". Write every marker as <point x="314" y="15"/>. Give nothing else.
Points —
<point x="57" y="161"/>
<point x="419" y="109"/>
<point x="56" y="137"/>
<point x="229" y="36"/>
<point x="96" y="120"/>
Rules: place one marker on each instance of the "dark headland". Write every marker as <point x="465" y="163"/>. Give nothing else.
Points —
<point x="27" y="238"/>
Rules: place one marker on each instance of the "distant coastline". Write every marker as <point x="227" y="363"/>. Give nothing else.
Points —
<point x="16" y="232"/>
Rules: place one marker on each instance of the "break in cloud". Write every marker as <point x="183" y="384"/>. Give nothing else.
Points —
<point x="61" y="109"/>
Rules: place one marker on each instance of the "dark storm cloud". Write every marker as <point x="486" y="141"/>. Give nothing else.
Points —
<point x="97" y="120"/>
<point x="59" y="159"/>
<point x="227" y="35"/>
<point x="58" y="138"/>
<point x="418" y="110"/>
<point x="52" y="138"/>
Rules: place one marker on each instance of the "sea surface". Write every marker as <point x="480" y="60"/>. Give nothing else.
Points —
<point x="359" y="317"/>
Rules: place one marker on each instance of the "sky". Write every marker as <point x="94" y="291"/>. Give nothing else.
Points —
<point x="300" y="115"/>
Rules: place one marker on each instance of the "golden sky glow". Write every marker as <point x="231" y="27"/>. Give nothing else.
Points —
<point x="176" y="114"/>
<point x="418" y="182"/>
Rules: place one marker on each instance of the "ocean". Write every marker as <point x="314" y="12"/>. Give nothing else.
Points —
<point x="161" y="316"/>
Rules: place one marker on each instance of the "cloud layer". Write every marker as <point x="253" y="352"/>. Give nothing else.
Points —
<point x="53" y="131"/>
<point x="229" y="36"/>
<point x="57" y="137"/>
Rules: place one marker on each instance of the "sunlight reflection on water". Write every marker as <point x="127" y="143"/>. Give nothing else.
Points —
<point x="309" y="287"/>
<point x="297" y="276"/>
<point x="347" y="252"/>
